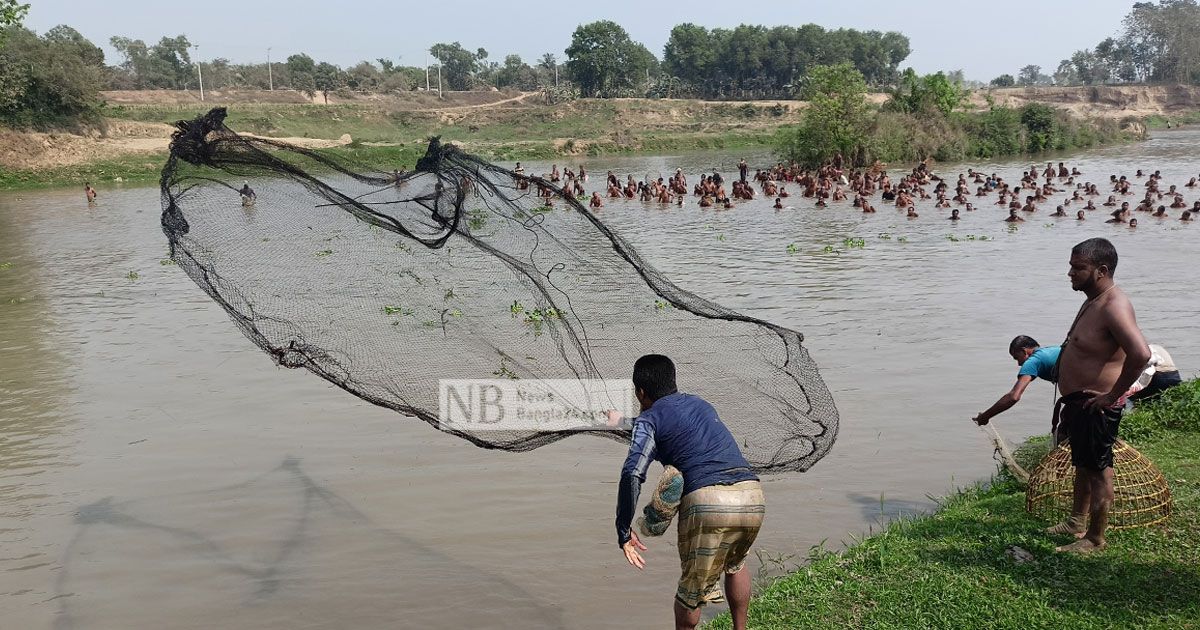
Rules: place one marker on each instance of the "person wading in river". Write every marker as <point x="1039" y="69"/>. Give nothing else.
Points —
<point x="1102" y="357"/>
<point x="722" y="507"/>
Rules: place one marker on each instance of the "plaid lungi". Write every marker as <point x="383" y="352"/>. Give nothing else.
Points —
<point x="717" y="525"/>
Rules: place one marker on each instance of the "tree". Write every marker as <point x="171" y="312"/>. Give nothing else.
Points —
<point x="12" y="13"/>
<point x="165" y="65"/>
<point x="327" y="78"/>
<point x="46" y="84"/>
<point x="515" y="73"/>
<point x="836" y="121"/>
<point x="302" y="71"/>
<point x="932" y="93"/>
<point x="1004" y="80"/>
<point x="1029" y="75"/>
<point x="1066" y="74"/>
<point x="604" y="61"/>
<point x="689" y="53"/>
<point x="459" y="65"/>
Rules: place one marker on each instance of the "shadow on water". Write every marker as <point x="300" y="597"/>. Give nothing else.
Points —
<point x="327" y="565"/>
<point x="881" y="509"/>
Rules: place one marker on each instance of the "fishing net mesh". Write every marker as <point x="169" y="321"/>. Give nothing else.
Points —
<point x="1142" y="497"/>
<point x="384" y="283"/>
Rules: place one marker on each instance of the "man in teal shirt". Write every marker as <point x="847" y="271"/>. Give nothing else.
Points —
<point x="1035" y="362"/>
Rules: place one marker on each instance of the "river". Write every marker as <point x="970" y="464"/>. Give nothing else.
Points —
<point x="156" y="470"/>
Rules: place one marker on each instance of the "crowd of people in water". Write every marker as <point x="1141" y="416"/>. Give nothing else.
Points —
<point x="835" y="181"/>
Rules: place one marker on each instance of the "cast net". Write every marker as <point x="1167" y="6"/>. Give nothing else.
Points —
<point x="385" y="283"/>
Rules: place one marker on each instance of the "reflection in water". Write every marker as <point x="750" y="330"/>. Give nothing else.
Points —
<point x="33" y="380"/>
<point x="318" y="562"/>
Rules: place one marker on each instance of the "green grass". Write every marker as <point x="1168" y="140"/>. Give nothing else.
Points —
<point x="133" y="169"/>
<point x="949" y="569"/>
<point x="1160" y="122"/>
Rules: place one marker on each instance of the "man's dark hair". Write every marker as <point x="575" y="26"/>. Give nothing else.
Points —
<point x="1097" y="251"/>
<point x="654" y="374"/>
<point x="1020" y="342"/>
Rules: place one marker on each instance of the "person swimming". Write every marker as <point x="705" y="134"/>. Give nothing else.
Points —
<point x="89" y="193"/>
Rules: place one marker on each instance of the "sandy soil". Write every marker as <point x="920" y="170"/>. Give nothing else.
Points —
<point x="23" y="151"/>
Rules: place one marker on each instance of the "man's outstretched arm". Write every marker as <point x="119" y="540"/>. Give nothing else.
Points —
<point x="1006" y="401"/>
<point x="641" y="452"/>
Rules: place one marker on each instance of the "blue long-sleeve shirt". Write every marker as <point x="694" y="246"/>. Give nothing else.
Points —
<point x="683" y="431"/>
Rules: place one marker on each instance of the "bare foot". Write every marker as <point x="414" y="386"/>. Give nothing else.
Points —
<point x="1083" y="545"/>
<point x="1070" y="526"/>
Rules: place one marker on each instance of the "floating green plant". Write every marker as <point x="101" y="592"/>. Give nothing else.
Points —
<point x="1012" y="228"/>
<point x="662" y="304"/>
<point x="449" y="294"/>
<point x="324" y="252"/>
<point x="952" y="238"/>
<point x="853" y="242"/>
<point x="5" y="265"/>
<point x="402" y="247"/>
<point x="504" y="371"/>
<point x="902" y="239"/>
<point x="477" y="220"/>
<point x="538" y="315"/>
<point x="397" y="310"/>
<point x="885" y="237"/>
<point x="792" y="248"/>
<point x="166" y="262"/>
<point x="721" y="237"/>
<point x="132" y="275"/>
<point x="830" y="249"/>
<point x="516" y="308"/>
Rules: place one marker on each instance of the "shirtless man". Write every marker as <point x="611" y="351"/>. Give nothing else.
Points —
<point x="89" y="192"/>
<point x="954" y="215"/>
<point x="1059" y="212"/>
<point x="1013" y="217"/>
<point x="1102" y="357"/>
<point x="596" y="201"/>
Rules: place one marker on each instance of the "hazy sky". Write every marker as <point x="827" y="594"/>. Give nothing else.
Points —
<point x="985" y="39"/>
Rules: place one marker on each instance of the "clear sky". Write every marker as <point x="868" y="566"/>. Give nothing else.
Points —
<point x="984" y="39"/>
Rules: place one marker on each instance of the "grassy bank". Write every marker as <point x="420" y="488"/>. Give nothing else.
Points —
<point x="1159" y="121"/>
<point x="950" y="569"/>
<point x="388" y="139"/>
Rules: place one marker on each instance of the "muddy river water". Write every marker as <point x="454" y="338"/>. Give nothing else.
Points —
<point x="156" y="469"/>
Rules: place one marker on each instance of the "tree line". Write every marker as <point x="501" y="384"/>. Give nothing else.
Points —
<point x="1157" y="44"/>
<point x="55" y="77"/>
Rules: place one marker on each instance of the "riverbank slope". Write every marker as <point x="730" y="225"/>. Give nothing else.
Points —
<point x="389" y="131"/>
<point x="955" y="568"/>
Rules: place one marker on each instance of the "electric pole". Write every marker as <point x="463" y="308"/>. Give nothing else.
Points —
<point x="199" y="72"/>
<point x="270" y="78"/>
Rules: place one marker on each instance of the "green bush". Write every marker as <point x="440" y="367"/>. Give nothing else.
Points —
<point x="1177" y="409"/>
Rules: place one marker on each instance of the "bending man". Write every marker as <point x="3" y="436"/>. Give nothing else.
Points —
<point x="1035" y="362"/>
<point x="722" y="507"/>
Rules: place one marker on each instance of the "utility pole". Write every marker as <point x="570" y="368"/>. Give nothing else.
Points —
<point x="555" y="74"/>
<point x="426" y="72"/>
<point x="199" y="72"/>
<point x="270" y="78"/>
<point x="439" y="58"/>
